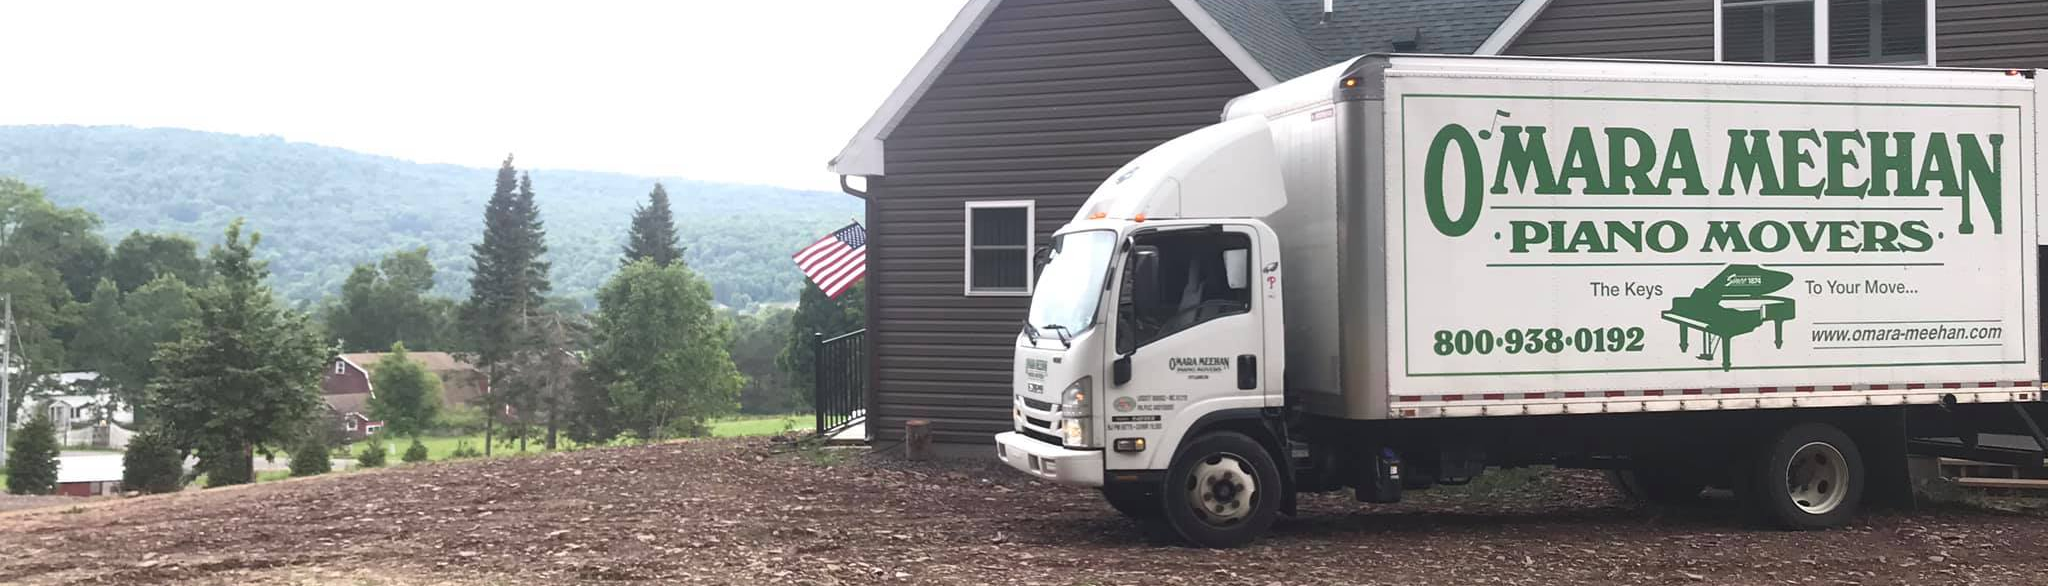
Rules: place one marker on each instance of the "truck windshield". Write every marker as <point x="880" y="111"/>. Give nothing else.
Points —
<point x="1070" y="286"/>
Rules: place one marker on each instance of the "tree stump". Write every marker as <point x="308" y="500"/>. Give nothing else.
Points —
<point x="917" y="439"/>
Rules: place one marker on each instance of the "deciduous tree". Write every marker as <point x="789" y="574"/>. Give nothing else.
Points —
<point x="142" y="257"/>
<point x="661" y="351"/>
<point x="407" y="397"/>
<point x="817" y="314"/>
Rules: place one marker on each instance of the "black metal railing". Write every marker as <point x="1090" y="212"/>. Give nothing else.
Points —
<point x="839" y="387"/>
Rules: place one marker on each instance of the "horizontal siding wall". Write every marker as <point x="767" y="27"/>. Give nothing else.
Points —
<point x="1992" y="33"/>
<point x="1043" y="103"/>
<point x="1626" y="29"/>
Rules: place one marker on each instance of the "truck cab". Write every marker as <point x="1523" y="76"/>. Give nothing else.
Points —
<point x="1156" y="312"/>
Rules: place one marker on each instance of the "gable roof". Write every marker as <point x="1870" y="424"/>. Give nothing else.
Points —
<point x="440" y="363"/>
<point x="348" y="403"/>
<point x="1268" y="40"/>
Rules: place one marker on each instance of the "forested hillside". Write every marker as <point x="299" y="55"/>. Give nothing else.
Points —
<point x="322" y="210"/>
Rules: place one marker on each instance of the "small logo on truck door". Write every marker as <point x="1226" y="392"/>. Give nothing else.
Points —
<point x="1034" y="368"/>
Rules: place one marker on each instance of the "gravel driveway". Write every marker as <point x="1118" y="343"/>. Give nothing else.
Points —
<point x="745" y="512"/>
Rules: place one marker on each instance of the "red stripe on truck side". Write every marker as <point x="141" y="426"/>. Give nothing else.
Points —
<point x="1653" y="393"/>
<point x="1951" y="385"/>
<point x="1494" y="396"/>
<point x="1987" y="385"/>
<point x="1806" y="389"/>
<point x="1535" y="395"/>
<point x="1410" y="398"/>
<point x="1617" y="393"/>
<point x="1730" y="391"/>
<point x="1695" y="391"/>
<point x="1574" y="395"/>
<point x="1845" y="387"/>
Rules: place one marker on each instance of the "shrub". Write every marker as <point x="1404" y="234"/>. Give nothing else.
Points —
<point x="372" y="455"/>
<point x="417" y="452"/>
<point x="152" y="464"/>
<point x="464" y="450"/>
<point x="311" y="457"/>
<point x="226" y="466"/>
<point x="32" y="458"/>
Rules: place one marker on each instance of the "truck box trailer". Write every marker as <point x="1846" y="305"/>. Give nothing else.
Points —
<point x="1397" y="271"/>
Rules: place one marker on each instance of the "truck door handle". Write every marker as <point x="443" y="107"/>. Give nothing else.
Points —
<point x="1247" y="371"/>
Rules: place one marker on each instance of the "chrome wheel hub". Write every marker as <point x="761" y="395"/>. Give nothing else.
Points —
<point x="1817" y="478"/>
<point x="1222" y="489"/>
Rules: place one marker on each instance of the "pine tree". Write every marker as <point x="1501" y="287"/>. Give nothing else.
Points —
<point x="246" y="371"/>
<point x="508" y="283"/>
<point x="32" y="457"/>
<point x="373" y="453"/>
<point x="653" y="235"/>
<point x="311" y="457"/>
<point x="152" y="463"/>
<point x="415" y="453"/>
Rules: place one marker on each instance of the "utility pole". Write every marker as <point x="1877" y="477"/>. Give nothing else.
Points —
<point x="6" y="367"/>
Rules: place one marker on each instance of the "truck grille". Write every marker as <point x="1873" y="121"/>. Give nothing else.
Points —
<point x="1038" y="405"/>
<point x="1044" y="437"/>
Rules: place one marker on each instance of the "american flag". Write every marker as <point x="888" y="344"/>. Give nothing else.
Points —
<point x="836" y="261"/>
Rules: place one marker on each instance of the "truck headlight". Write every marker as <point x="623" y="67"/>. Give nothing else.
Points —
<point x="1077" y="413"/>
<point x="1016" y="413"/>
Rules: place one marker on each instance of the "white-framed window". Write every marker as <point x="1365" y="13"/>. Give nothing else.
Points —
<point x="1891" y="32"/>
<point x="340" y="367"/>
<point x="998" y="247"/>
<point x="351" y="423"/>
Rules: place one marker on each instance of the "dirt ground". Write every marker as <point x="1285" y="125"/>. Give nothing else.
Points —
<point x="742" y="512"/>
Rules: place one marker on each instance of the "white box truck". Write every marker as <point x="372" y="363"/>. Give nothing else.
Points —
<point x="1395" y="272"/>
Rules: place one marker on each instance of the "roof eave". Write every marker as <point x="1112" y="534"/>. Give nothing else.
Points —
<point x="863" y="154"/>
<point x="1510" y="29"/>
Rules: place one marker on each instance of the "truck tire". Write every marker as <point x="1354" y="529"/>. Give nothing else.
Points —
<point x="1655" y="486"/>
<point x="1223" y="490"/>
<point x="1142" y="505"/>
<point x="1809" y="476"/>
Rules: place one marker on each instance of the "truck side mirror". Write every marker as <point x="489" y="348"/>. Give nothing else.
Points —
<point x="1040" y="257"/>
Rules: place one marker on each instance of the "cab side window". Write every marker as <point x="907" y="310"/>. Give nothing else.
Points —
<point x="1201" y="275"/>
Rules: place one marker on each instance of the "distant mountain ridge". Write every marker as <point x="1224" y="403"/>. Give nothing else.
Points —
<point x="324" y="209"/>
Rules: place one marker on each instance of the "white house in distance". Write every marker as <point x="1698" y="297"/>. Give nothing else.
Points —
<point x="82" y="413"/>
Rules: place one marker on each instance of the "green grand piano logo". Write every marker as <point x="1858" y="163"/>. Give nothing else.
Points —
<point x="1734" y="303"/>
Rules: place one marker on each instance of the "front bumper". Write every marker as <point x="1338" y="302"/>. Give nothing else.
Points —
<point x="1061" y="465"/>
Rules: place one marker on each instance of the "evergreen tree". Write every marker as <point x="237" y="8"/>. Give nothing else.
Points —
<point x="32" y="457"/>
<point x="509" y="282"/>
<point x="245" y="373"/>
<point x="653" y="235"/>
<point x="408" y="397"/>
<point x="373" y="453"/>
<point x="152" y="463"/>
<point x="311" y="457"/>
<point x="415" y="453"/>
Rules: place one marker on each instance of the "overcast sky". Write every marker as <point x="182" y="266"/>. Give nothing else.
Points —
<point x="759" y="91"/>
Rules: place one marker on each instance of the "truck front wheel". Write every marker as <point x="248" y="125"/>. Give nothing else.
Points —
<point x="1223" y="490"/>
<point x="1135" y="503"/>
<point x="1810" y="476"/>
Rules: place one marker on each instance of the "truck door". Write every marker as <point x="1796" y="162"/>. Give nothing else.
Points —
<point x="1189" y="338"/>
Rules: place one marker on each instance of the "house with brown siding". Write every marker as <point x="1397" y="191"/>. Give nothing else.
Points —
<point x="1021" y="107"/>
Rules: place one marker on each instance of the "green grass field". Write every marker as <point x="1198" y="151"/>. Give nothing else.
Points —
<point x="755" y="425"/>
<point x="443" y="447"/>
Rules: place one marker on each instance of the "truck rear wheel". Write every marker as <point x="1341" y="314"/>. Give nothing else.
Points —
<point x="1223" y="490"/>
<point x="1810" y="476"/>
